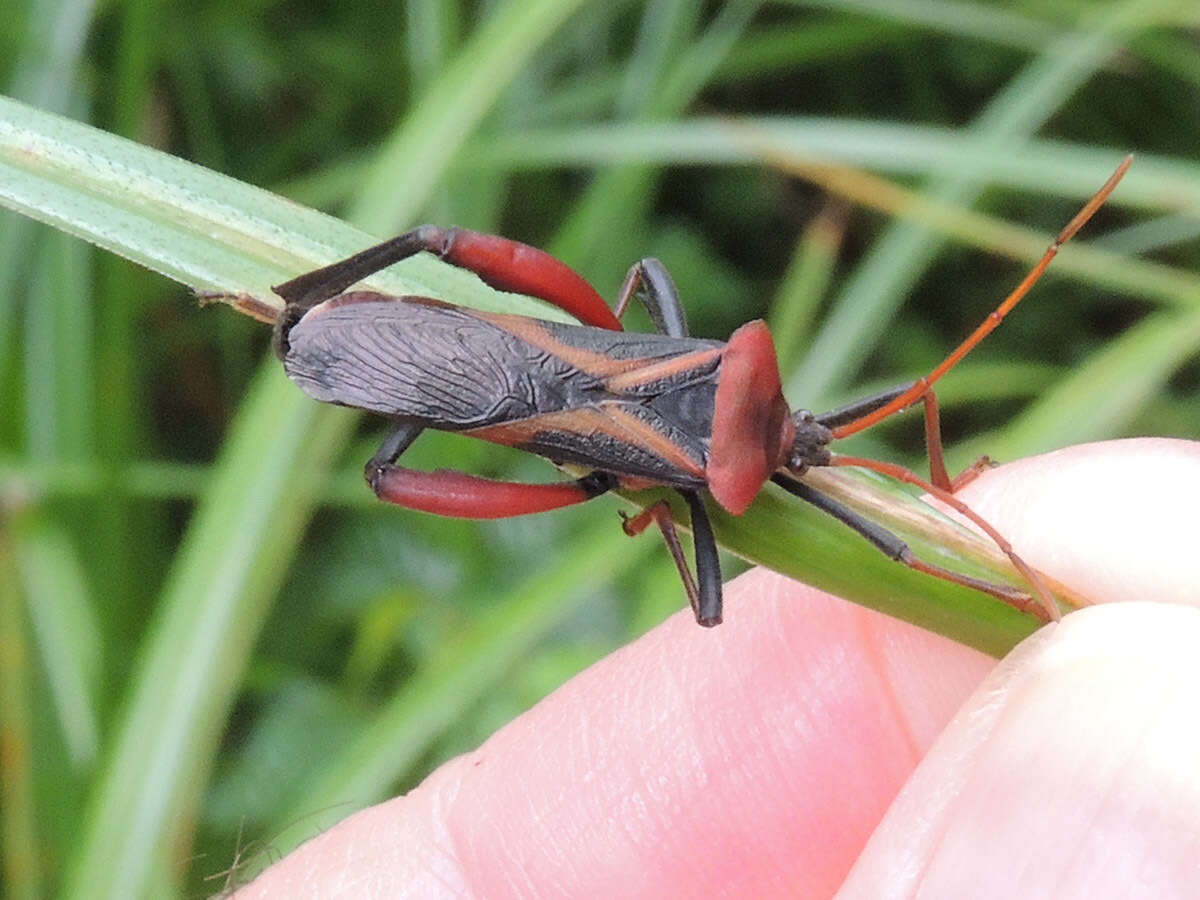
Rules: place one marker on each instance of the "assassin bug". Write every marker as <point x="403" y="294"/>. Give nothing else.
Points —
<point x="637" y="409"/>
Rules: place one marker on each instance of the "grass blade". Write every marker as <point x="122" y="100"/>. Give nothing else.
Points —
<point x="860" y="313"/>
<point x="241" y="539"/>
<point x="64" y="627"/>
<point x="1101" y="396"/>
<point x="403" y="175"/>
<point x="211" y="232"/>
<point x="186" y="222"/>
<point x="19" y="850"/>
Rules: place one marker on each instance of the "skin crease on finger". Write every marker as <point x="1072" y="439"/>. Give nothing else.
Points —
<point x="756" y="759"/>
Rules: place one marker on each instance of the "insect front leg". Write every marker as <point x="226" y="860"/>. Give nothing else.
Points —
<point x="933" y="433"/>
<point x="446" y="492"/>
<point x="649" y="281"/>
<point x="895" y="548"/>
<point x="704" y="596"/>
<point x="1031" y="575"/>
<point x="933" y="449"/>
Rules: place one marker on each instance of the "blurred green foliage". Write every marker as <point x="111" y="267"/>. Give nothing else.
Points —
<point x="354" y="646"/>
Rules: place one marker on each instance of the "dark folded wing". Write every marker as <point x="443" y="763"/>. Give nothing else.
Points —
<point x="435" y="365"/>
<point x="514" y="380"/>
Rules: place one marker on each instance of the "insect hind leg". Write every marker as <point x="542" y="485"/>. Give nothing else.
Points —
<point x="393" y="445"/>
<point x="317" y="286"/>
<point x="502" y="263"/>
<point x="446" y="492"/>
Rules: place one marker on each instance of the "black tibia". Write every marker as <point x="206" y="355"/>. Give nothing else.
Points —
<point x="659" y="513"/>
<point x="897" y="549"/>
<point x="317" y="286"/>
<point x="649" y="281"/>
<point x="704" y="599"/>
<point x="708" y="563"/>
<point x="306" y="291"/>
<point x="889" y="543"/>
<point x="860" y="408"/>
<point x="391" y="448"/>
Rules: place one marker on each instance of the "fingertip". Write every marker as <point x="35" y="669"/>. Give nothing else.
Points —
<point x="1068" y="774"/>
<point x="757" y="756"/>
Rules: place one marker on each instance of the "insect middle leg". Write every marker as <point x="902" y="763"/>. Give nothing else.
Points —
<point x="895" y="548"/>
<point x="704" y="597"/>
<point x="649" y="281"/>
<point x="447" y="492"/>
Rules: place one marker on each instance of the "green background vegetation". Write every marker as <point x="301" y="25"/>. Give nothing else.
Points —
<point x="214" y="641"/>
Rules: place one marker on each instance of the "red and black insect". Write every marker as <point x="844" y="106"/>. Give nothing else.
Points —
<point x="637" y="409"/>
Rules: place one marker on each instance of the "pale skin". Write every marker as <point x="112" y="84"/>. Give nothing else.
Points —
<point x="812" y="748"/>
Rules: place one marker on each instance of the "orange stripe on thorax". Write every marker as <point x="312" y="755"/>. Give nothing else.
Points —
<point x="648" y="373"/>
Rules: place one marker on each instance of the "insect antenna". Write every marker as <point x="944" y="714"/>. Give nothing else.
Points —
<point x="922" y="385"/>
